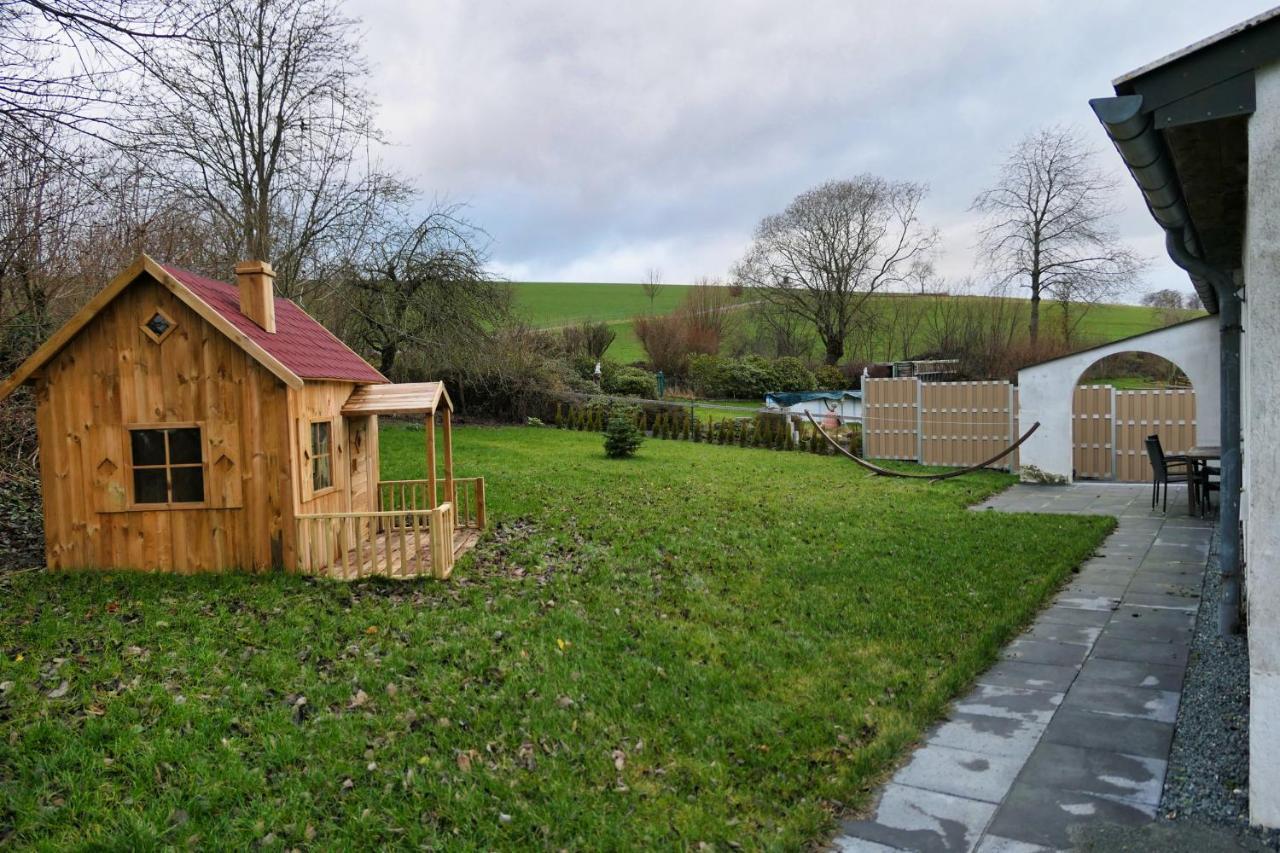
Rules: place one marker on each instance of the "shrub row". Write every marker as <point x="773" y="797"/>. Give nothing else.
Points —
<point x="748" y="378"/>
<point x="768" y="431"/>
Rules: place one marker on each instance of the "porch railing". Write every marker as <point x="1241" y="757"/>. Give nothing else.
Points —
<point x="395" y="543"/>
<point x="467" y="498"/>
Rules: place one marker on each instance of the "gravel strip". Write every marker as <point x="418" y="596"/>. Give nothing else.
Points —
<point x="1208" y="778"/>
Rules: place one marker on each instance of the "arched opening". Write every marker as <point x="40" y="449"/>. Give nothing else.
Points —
<point x="1117" y="402"/>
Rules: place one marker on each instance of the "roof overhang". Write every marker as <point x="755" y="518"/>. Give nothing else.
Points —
<point x="405" y="398"/>
<point x="144" y="265"/>
<point x="1181" y="126"/>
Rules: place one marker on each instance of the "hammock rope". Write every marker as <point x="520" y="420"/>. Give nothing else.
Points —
<point x="946" y="475"/>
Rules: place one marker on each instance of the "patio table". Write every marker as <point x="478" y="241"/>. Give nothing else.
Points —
<point x="1199" y="456"/>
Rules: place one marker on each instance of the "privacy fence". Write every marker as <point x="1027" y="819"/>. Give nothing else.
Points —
<point x="1111" y="427"/>
<point x="939" y="423"/>
<point x="963" y="423"/>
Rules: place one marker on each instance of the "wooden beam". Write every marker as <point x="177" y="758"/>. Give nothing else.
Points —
<point x="431" y="461"/>
<point x="447" y="416"/>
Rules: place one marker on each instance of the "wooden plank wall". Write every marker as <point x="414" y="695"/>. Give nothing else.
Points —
<point x="113" y="375"/>
<point x="965" y="423"/>
<point x="1093" y="450"/>
<point x="1168" y="413"/>
<point x="890" y="417"/>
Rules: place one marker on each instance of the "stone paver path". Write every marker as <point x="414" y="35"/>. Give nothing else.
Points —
<point x="1073" y="725"/>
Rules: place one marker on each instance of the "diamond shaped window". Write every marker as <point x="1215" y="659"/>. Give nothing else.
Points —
<point x="158" y="324"/>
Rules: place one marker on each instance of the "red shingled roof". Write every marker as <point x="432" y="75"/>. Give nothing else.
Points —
<point x="300" y="343"/>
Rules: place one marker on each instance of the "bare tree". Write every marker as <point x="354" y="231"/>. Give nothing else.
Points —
<point x="64" y="63"/>
<point x="833" y="247"/>
<point x="652" y="284"/>
<point x="1168" y="305"/>
<point x="425" y="289"/>
<point x="262" y="117"/>
<point x="1049" y="224"/>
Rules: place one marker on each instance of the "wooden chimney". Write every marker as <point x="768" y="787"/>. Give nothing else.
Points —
<point x="257" y="293"/>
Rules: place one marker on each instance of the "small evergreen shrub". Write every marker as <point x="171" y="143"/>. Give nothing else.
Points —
<point x="622" y="437"/>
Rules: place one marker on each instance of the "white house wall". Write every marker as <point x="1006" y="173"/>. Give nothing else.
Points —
<point x="1045" y="391"/>
<point x="1262" y="444"/>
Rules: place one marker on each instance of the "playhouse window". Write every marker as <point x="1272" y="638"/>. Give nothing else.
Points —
<point x="168" y="465"/>
<point x="321" y="455"/>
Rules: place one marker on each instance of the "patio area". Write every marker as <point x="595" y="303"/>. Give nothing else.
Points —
<point x="1073" y="727"/>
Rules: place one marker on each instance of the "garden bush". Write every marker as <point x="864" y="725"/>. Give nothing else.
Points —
<point x="748" y="378"/>
<point x="791" y="374"/>
<point x="630" y="382"/>
<point x="828" y="377"/>
<point x="622" y="438"/>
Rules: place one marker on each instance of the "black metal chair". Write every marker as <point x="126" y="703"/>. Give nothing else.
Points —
<point x="1170" y="469"/>
<point x="1205" y="486"/>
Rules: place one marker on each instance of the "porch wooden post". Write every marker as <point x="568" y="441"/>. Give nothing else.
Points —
<point x="431" y="460"/>
<point x="448" y="459"/>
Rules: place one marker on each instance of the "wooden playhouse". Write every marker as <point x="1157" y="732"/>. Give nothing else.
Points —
<point x="191" y="425"/>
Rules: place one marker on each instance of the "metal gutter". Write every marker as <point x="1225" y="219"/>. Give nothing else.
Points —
<point x="1144" y="152"/>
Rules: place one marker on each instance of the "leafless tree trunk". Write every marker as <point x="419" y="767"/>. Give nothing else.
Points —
<point x="652" y="284"/>
<point x="263" y="118"/>
<point x="1048" y="224"/>
<point x="833" y="247"/>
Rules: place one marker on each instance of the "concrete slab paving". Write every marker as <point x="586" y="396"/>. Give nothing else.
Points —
<point x="1149" y="738"/>
<point x="913" y="819"/>
<point x="1133" y="673"/>
<point x="1071" y="729"/>
<point x="1122" y="700"/>
<point x="963" y="772"/>
<point x="1114" y="775"/>
<point x="998" y="736"/>
<point x="1046" y="651"/>
<point x="1030" y="676"/>
<point x="1053" y="817"/>
<point x="1125" y="648"/>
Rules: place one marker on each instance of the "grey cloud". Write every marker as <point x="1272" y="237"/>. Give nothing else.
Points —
<point x="596" y="139"/>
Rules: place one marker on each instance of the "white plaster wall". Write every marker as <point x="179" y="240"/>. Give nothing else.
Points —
<point x="1045" y="390"/>
<point x="1262" y="430"/>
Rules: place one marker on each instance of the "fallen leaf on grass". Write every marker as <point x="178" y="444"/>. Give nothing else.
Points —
<point x="359" y="699"/>
<point x="619" y="759"/>
<point x="59" y="691"/>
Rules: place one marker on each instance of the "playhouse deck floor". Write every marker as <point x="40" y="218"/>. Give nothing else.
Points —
<point x="384" y="558"/>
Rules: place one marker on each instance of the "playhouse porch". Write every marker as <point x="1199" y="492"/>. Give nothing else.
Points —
<point x="404" y="538"/>
<point x="417" y="528"/>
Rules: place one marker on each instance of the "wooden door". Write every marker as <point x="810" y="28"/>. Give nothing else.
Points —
<point x="359" y="458"/>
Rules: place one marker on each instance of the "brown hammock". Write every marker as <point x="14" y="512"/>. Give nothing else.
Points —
<point x="946" y="475"/>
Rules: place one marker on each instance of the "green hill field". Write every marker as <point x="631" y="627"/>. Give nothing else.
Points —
<point x="554" y="304"/>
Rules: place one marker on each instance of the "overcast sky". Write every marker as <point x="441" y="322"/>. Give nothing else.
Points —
<point x="595" y="140"/>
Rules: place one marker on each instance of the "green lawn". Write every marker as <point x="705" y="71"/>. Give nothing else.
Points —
<point x="555" y="304"/>
<point x="701" y="644"/>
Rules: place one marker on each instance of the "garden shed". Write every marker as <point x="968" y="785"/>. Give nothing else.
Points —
<point x="189" y="425"/>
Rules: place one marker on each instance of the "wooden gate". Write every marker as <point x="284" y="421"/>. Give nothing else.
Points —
<point x="1170" y="414"/>
<point x="1111" y="428"/>
<point x="965" y="422"/>
<point x="891" y="418"/>
<point x="1093" y="426"/>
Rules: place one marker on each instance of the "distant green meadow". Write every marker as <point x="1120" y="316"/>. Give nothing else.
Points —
<point x="556" y="304"/>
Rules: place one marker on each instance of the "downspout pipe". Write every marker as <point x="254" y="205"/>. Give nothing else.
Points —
<point x="1230" y="329"/>
<point x="1143" y="150"/>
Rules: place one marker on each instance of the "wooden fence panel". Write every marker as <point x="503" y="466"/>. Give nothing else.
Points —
<point x="965" y="422"/>
<point x="1093" y="429"/>
<point x="890" y="416"/>
<point x="1168" y="413"/>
